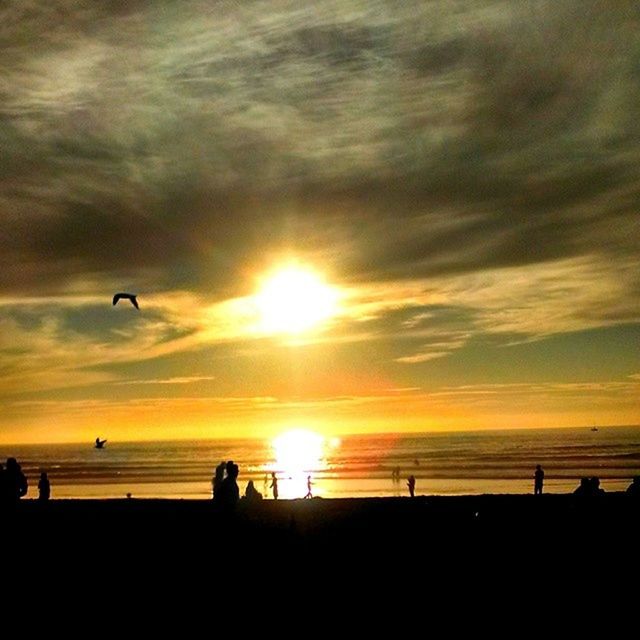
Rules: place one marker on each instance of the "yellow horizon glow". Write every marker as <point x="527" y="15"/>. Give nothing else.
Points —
<point x="294" y="299"/>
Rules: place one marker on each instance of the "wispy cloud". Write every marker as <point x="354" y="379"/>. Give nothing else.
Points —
<point x="176" y="380"/>
<point x="460" y="171"/>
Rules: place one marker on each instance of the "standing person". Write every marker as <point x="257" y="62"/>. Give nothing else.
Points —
<point x="274" y="485"/>
<point x="538" y="480"/>
<point x="411" y="483"/>
<point x="228" y="492"/>
<point x="44" y="487"/>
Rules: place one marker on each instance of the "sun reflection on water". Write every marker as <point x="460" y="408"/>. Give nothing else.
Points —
<point x="299" y="454"/>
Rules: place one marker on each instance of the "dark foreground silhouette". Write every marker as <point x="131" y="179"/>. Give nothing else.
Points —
<point x="129" y="547"/>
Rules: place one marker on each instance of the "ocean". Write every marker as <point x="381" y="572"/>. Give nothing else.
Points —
<point x="350" y="466"/>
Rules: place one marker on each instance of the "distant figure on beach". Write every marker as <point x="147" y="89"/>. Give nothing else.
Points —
<point x="100" y="443"/>
<point x="218" y="477"/>
<point x="228" y="494"/>
<point x="589" y="487"/>
<point x="595" y="486"/>
<point x="538" y="480"/>
<point x="634" y="488"/>
<point x="251" y="493"/>
<point x="584" y="488"/>
<point x="309" y="483"/>
<point x="274" y="485"/>
<point x="15" y="482"/>
<point x="411" y="483"/>
<point x="44" y="487"/>
<point x="395" y="474"/>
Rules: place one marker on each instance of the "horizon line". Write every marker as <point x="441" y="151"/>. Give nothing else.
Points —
<point x="346" y="435"/>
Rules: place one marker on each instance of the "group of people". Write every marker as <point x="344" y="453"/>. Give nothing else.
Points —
<point x="14" y="484"/>
<point x="225" y="485"/>
<point x="588" y="486"/>
<point x="226" y="493"/>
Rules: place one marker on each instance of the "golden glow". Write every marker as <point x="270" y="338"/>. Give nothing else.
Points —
<point x="298" y="450"/>
<point x="294" y="299"/>
<point x="299" y="455"/>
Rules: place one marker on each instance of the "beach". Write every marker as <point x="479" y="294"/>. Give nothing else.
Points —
<point x="458" y="559"/>
<point x="388" y="525"/>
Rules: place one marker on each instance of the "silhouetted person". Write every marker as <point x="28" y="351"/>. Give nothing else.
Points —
<point x="411" y="483"/>
<point x="584" y="488"/>
<point x="538" y="480"/>
<point x="218" y="478"/>
<point x="228" y="493"/>
<point x="274" y="485"/>
<point x="309" y="483"/>
<point x="595" y="486"/>
<point x="44" y="487"/>
<point x="16" y="484"/>
<point x="100" y="443"/>
<point x="634" y="488"/>
<point x="589" y="487"/>
<point x="251" y="493"/>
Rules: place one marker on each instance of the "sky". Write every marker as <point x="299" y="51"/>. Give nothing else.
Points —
<point x="458" y="182"/>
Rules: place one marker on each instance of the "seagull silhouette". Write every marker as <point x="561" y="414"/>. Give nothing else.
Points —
<point x="126" y="296"/>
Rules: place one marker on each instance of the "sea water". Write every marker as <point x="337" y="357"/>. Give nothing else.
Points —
<point x="350" y="466"/>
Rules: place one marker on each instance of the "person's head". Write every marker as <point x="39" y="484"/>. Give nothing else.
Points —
<point x="538" y="467"/>
<point x="43" y="475"/>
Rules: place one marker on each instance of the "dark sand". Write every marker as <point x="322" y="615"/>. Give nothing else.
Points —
<point x="358" y="524"/>
<point x="434" y="566"/>
<point x="325" y="553"/>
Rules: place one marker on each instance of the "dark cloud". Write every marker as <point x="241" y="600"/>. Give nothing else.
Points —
<point x="174" y="146"/>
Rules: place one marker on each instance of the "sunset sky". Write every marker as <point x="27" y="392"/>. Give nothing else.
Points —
<point x="347" y="216"/>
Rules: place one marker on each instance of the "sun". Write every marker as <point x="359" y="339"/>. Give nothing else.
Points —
<point x="298" y="450"/>
<point x="294" y="299"/>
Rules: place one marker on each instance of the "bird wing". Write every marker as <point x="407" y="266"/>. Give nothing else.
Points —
<point x="134" y="301"/>
<point x="116" y="298"/>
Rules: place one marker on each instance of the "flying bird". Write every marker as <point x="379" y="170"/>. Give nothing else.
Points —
<point x="126" y="296"/>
